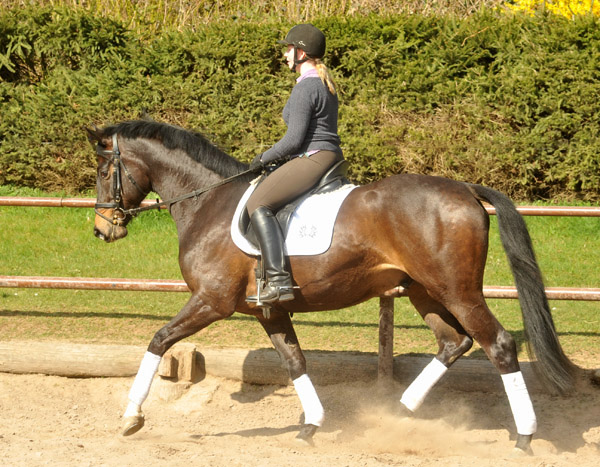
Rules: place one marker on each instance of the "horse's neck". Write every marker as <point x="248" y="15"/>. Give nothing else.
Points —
<point x="177" y="176"/>
<point x="174" y="174"/>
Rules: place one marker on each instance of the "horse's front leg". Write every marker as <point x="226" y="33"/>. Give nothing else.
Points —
<point x="194" y="316"/>
<point x="281" y="332"/>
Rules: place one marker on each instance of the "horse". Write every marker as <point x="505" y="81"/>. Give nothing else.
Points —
<point x="425" y="233"/>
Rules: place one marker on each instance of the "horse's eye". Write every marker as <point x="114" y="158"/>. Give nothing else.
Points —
<point x="104" y="174"/>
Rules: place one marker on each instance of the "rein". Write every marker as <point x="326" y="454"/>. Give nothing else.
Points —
<point x="192" y="194"/>
<point x="114" y="157"/>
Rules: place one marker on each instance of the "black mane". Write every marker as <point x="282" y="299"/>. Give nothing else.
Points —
<point x="173" y="137"/>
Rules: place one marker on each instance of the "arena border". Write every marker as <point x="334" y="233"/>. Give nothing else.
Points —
<point x="251" y="366"/>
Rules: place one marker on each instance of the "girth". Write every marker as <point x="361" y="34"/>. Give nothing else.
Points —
<point x="334" y="178"/>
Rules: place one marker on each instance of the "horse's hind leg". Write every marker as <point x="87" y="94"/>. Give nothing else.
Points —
<point x="499" y="346"/>
<point x="452" y="341"/>
<point x="453" y="333"/>
<point x="281" y="332"/>
<point x="193" y="317"/>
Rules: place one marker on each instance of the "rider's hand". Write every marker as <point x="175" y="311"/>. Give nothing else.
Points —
<point x="256" y="165"/>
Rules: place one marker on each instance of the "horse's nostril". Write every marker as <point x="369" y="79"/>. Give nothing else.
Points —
<point x="99" y="234"/>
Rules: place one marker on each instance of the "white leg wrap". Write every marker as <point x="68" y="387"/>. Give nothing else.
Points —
<point x="415" y="394"/>
<point x="141" y="384"/>
<point x="313" y="410"/>
<point x="520" y="403"/>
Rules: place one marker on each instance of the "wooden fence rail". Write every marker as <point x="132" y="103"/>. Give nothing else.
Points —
<point x="167" y="285"/>
<point x="570" y="211"/>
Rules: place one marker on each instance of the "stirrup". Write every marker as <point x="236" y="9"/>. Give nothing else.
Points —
<point x="272" y="293"/>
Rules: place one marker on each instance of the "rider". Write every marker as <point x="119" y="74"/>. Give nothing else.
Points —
<point x="308" y="149"/>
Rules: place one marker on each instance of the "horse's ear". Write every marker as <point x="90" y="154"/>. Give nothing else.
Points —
<point x="93" y="134"/>
<point x="145" y="115"/>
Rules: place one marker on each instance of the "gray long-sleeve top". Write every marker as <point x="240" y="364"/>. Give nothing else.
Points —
<point x="311" y="115"/>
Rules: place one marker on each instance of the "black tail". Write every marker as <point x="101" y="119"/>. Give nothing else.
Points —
<point x="554" y="366"/>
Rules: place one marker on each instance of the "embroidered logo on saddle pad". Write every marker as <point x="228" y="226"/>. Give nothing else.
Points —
<point x="311" y="225"/>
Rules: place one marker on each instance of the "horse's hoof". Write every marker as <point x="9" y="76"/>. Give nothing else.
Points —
<point x="518" y="452"/>
<point x="306" y="433"/>
<point x="523" y="446"/>
<point x="132" y="424"/>
<point x="403" y="412"/>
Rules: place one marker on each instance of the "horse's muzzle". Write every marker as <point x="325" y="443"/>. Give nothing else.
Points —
<point x="107" y="231"/>
<point x="113" y="233"/>
<point x="110" y="236"/>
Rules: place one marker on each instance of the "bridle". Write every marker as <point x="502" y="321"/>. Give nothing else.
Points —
<point x="113" y="156"/>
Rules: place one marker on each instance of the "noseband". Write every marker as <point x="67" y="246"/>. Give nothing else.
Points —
<point x="114" y="157"/>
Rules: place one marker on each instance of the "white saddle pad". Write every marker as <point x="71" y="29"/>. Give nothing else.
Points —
<point x="311" y="225"/>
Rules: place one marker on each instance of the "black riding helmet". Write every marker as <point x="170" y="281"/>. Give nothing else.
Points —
<point x="308" y="38"/>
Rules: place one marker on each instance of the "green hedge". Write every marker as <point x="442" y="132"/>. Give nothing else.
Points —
<point x="509" y="101"/>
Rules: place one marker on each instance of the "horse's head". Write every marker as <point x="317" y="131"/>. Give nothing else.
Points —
<point x="120" y="184"/>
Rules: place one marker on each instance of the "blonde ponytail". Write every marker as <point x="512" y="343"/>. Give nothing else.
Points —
<point x="325" y="76"/>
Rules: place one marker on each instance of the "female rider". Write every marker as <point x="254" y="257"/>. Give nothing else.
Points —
<point x="308" y="149"/>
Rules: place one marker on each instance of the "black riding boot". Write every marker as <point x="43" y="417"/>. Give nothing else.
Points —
<point x="270" y="238"/>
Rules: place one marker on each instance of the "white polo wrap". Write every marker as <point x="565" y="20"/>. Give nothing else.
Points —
<point x="520" y="403"/>
<point x="141" y="384"/>
<point x="415" y="394"/>
<point x="313" y="410"/>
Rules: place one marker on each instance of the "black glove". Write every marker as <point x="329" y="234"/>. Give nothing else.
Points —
<point x="256" y="165"/>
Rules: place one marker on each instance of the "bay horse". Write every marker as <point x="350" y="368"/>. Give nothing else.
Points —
<point x="426" y="233"/>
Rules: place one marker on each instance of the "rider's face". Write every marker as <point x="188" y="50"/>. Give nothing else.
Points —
<point x="289" y="56"/>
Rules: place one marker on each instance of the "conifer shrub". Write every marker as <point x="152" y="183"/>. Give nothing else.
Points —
<point x="506" y="100"/>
